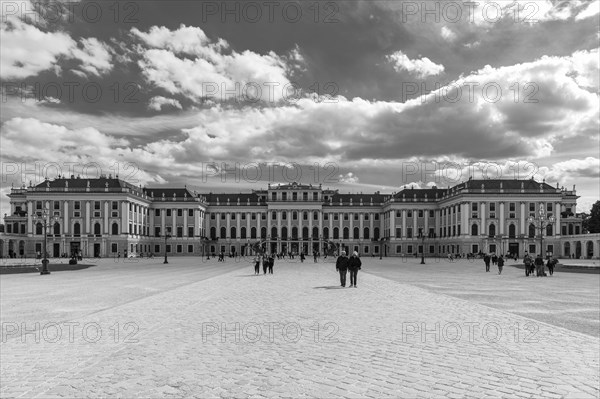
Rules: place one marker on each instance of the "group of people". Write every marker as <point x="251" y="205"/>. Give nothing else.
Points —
<point x="537" y="264"/>
<point x="267" y="261"/>
<point x="343" y="264"/>
<point x="495" y="260"/>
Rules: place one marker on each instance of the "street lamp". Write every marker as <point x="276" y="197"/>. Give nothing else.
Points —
<point x="45" y="222"/>
<point x="422" y="237"/>
<point x="167" y="235"/>
<point x="540" y="223"/>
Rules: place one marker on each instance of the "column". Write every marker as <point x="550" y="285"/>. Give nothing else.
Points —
<point x="437" y="215"/>
<point x="502" y="221"/>
<point x="278" y="215"/>
<point x="163" y="222"/>
<point x="218" y="218"/>
<point x="87" y="217"/>
<point x="361" y="228"/>
<point x="29" y="219"/>
<point x="151" y="222"/>
<point x="522" y="217"/>
<point x="289" y="218"/>
<point x="351" y="227"/>
<point x="403" y="223"/>
<point x="464" y="219"/>
<point x="106" y="210"/>
<point x="557" y="228"/>
<point x="331" y="226"/>
<point x="310" y="228"/>
<point x="185" y="222"/>
<point x="228" y="224"/>
<point x="174" y="222"/>
<point x="320" y="224"/>
<point x="415" y="229"/>
<point x="371" y="216"/>
<point x="238" y="215"/>
<point x="392" y="223"/>
<point x="65" y="229"/>
<point x="248" y="217"/>
<point x="483" y="226"/>
<point x="124" y="217"/>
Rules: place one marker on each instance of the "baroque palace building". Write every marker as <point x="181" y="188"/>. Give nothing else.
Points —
<point x="109" y="217"/>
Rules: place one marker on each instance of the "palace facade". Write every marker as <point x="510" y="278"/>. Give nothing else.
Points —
<point x="107" y="217"/>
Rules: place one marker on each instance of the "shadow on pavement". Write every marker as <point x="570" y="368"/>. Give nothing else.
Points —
<point x="330" y="287"/>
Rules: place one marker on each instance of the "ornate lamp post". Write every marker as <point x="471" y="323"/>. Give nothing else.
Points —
<point x="540" y="223"/>
<point x="167" y="235"/>
<point x="422" y="237"/>
<point x="44" y="220"/>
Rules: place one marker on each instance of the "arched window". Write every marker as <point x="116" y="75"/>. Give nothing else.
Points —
<point x="263" y="233"/>
<point x="326" y="233"/>
<point x="243" y="233"/>
<point x="97" y="228"/>
<point x="233" y="232"/>
<point x="336" y="233"/>
<point x="253" y="232"/>
<point x="356" y="233"/>
<point x="531" y="231"/>
<point x="512" y="231"/>
<point x="39" y="229"/>
<point x="77" y="229"/>
<point x="492" y="230"/>
<point x="223" y="232"/>
<point x="284" y="233"/>
<point x="346" y="233"/>
<point x="366" y="233"/>
<point x="56" y="228"/>
<point x="549" y="231"/>
<point x="474" y="229"/>
<point x="213" y="233"/>
<point x="376" y="233"/>
<point x="305" y="233"/>
<point x="315" y="233"/>
<point x="294" y="215"/>
<point x="294" y="233"/>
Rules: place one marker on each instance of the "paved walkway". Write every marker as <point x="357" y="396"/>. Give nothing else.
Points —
<point x="295" y="334"/>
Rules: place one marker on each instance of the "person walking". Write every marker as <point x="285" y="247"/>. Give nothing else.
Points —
<point x="486" y="260"/>
<point x="494" y="259"/>
<point x="354" y="264"/>
<point x="551" y="263"/>
<point x="265" y="261"/>
<point x="539" y="266"/>
<point x="341" y="265"/>
<point x="257" y="264"/>
<point x="302" y="257"/>
<point x="271" y="263"/>
<point x="500" y="262"/>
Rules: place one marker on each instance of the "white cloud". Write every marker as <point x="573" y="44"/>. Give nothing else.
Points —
<point x="348" y="178"/>
<point x="187" y="62"/>
<point x="422" y="67"/>
<point x="27" y="51"/>
<point x="158" y="102"/>
<point x="94" y="55"/>
<point x="591" y="10"/>
<point x="448" y="34"/>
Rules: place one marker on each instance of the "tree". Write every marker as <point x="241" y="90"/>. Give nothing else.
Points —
<point x="592" y="222"/>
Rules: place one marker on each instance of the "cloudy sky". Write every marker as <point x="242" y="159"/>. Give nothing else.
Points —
<point x="356" y="95"/>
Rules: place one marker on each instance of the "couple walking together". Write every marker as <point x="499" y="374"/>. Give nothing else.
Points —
<point x="343" y="264"/>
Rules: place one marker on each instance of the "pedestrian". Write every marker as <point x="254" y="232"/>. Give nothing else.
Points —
<point x="315" y="256"/>
<point x="486" y="260"/>
<point x="539" y="266"/>
<point x="551" y="263"/>
<point x="257" y="264"/>
<point x="494" y="259"/>
<point x="302" y="257"/>
<point x="500" y="264"/>
<point x="265" y="261"/>
<point x="271" y="263"/>
<point x="341" y="265"/>
<point x="354" y="265"/>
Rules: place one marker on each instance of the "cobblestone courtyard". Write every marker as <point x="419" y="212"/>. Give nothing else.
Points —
<point x="209" y="329"/>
